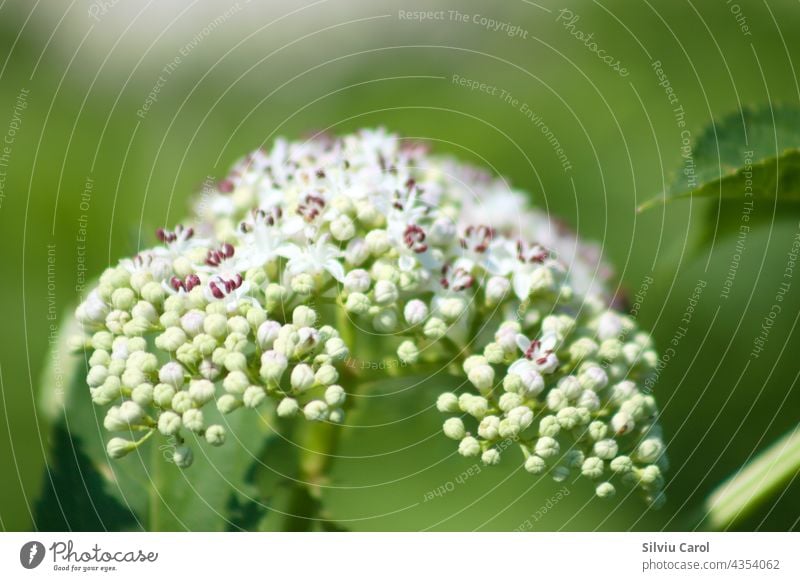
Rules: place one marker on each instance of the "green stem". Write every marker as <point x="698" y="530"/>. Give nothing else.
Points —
<point x="154" y="498"/>
<point x="755" y="483"/>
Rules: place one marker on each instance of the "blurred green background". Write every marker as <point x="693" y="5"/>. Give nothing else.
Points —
<point x="247" y="72"/>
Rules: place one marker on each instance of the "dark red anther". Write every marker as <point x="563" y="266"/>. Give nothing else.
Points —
<point x="414" y="237"/>
<point x="225" y="186"/>
<point x="532" y="348"/>
<point x="311" y="207"/>
<point x="215" y="290"/>
<point x="161" y="234"/>
<point x="227" y="250"/>
<point x="176" y="283"/>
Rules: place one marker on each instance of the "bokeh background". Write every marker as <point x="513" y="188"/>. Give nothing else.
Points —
<point x="75" y="77"/>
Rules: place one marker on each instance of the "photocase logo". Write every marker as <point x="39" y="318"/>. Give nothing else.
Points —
<point x="31" y="554"/>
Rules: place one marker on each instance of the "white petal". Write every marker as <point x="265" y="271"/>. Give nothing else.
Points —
<point x="522" y="284"/>
<point x="336" y="269"/>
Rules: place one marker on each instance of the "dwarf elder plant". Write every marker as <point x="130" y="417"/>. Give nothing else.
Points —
<point x="318" y="253"/>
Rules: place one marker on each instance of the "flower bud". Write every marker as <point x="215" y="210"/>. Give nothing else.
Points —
<point x="489" y="427"/>
<point x="490" y="457"/>
<point x="357" y="303"/>
<point x="287" y="408"/>
<point x="535" y="465"/>
<point x="342" y="228"/>
<point x="592" y="467"/>
<point x="385" y="321"/>
<point x="193" y="420"/>
<point x="415" y="312"/>
<point x="454" y="428"/>
<point x="227" y="403"/>
<point x="326" y="375"/>
<point x="521" y="416"/>
<point x="606" y="449"/>
<point x="130" y="412"/>
<point x="649" y="450"/>
<point x="435" y="328"/>
<point x="169" y="423"/>
<point x="303" y="316"/>
<point x="497" y="288"/>
<point x="253" y="396"/>
<point x="407" y="352"/>
<point x="336" y="348"/>
<point x="112" y="421"/>
<point x="182" y="401"/>
<point x="142" y="394"/>
<point x="482" y="377"/>
<point x="201" y="391"/>
<point x="474" y="405"/>
<point x="302" y="378"/>
<point x="273" y="364"/>
<point x="549" y="426"/>
<point x="385" y="292"/>
<point x="469" y="447"/>
<point x="451" y="308"/>
<point x="316" y="410"/>
<point x="357" y="281"/>
<point x="119" y="447"/>
<point x="335" y="395"/>
<point x="378" y="242"/>
<point x="605" y="490"/>
<point x="215" y="435"/>
<point x="171" y="339"/>
<point x="447" y="402"/>
<point x="546" y="447"/>
<point x="172" y="374"/>
<point x="182" y="456"/>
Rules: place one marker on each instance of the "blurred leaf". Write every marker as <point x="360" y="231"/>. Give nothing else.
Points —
<point x="755" y="483"/>
<point x="75" y="496"/>
<point x="770" y="138"/>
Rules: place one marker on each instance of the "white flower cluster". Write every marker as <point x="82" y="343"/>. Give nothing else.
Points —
<point x="317" y="248"/>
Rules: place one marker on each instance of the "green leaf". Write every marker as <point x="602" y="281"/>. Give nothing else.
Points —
<point x="767" y="139"/>
<point x="146" y="486"/>
<point x="75" y="496"/>
<point x="755" y="483"/>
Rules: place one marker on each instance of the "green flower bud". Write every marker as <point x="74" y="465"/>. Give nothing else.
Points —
<point x="193" y="420"/>
<point x="335" y="395"/>
<point x="605" y="490"/>
<point x="316" y="410"/>
<point x="287" y="408"/>
<point x="407" y="352"/>
<point x="216" y="325"/>
<point x="592" y="467"/>
<point x="535" y="465"/>
<point x="169" y="423"/>
<point x="215" y="435"/>
<point x="435" y="328"/>
<point x="253" y="396"/>
<point x="490" y="457"/>
<point x="163" y="394"/>
<point x="447" y="402"/>
<point x="119" y="447"/>
<point x="469" y="447"/>
<point x="182" y="457"/>
<point x="228" y="403"/>
<point x="454" y="428"/>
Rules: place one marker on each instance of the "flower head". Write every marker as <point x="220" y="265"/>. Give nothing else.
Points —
<point x="441" y="260"/>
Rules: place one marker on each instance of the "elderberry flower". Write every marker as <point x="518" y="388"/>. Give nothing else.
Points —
<point x="369" y="245"/>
